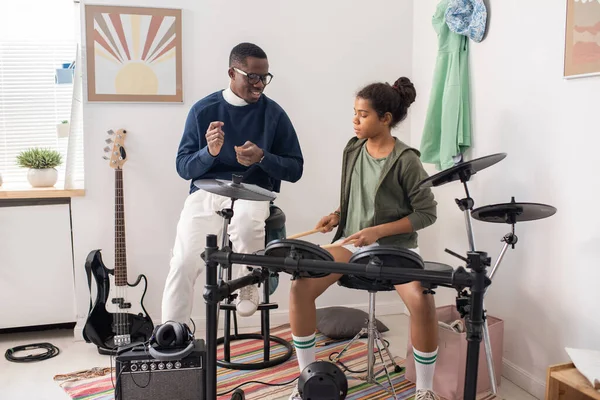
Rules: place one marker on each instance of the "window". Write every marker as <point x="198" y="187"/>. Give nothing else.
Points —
<point x="33" y="45"/>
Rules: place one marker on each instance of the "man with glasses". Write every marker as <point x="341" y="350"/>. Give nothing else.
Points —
<point x="238" y="131"/>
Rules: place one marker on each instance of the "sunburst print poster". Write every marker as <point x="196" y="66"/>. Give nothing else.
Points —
<point x="133" y="54"/>
<point x="582" y="46"/>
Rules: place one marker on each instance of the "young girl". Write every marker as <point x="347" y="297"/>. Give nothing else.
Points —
<point x="381" y="203"/>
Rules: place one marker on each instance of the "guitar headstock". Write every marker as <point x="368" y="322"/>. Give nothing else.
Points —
<point x="118" y="156"/>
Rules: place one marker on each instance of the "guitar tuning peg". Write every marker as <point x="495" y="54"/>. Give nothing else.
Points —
<point x="107" y="149"/>
<point x="106" y="158"/>
<point x="110" y="132"/>
<point x="109" y="140"/>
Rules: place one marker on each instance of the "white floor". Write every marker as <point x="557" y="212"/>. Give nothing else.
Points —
<point x="35" y="380"/>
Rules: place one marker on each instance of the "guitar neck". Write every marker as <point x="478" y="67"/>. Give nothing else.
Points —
<point x="120" y="252"/>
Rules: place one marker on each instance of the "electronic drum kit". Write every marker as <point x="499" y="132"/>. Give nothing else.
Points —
<point x="302" y="259"/>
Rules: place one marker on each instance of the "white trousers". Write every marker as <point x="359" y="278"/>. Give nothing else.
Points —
<point x="199" y="218"/>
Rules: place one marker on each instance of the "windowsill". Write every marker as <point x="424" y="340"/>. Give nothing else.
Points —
<point x="8" y="191"/>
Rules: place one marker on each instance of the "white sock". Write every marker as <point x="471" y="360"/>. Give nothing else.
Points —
<point x="305" y="350"/>
<point x="424" y="368"/>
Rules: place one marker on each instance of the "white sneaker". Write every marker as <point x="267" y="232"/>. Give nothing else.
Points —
<point x="423" y="394"/>
<point x="295" y="394"/>
<point x="246" y="302"/>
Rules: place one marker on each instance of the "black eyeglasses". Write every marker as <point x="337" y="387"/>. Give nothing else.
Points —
<point x="254" y="78"/>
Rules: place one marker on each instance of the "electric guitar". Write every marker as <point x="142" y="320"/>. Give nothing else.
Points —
<point x="129" y="322"/>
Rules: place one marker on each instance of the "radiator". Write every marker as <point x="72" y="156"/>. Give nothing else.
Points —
<point x="36" y="266"/>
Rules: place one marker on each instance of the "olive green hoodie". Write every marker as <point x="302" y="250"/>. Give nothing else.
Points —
<point x="398" y="194"/>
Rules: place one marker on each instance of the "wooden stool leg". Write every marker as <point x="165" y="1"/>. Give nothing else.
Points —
<point x="552" y="388"/>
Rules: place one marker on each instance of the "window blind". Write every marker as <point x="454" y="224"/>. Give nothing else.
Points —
<point x="32" y="104"/>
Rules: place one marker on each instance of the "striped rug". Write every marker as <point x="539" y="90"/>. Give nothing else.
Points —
<point x="355" y="358"/>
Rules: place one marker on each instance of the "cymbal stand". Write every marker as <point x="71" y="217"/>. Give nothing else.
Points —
<point x="510" y="239"/>
<point x="466" y="206"/>
<point x="227" y="214"/>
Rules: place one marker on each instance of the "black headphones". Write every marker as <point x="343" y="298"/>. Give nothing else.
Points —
<point x="173" y="340"/>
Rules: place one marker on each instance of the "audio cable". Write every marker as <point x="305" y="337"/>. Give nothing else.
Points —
<point x="51" y="351"/>
<point x="296" y="378"/>
<point x="260" y="383"/>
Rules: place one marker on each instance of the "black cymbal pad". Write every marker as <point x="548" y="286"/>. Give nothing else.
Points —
<point x="302" y="250"/>
<point x="511" y="213"/>
<point x="462" y="171"/>
<point x="233" y="190"/>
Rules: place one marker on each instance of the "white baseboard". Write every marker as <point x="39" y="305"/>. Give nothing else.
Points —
<point x="523" y="379"/>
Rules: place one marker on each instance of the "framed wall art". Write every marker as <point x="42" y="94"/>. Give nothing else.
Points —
<point x="133" y="54"/>
<point x="582" y="38"/>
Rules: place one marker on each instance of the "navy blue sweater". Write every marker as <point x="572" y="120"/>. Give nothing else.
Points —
<point x="263" y="123"/>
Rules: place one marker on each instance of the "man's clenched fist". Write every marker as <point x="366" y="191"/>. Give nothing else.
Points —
<point x="215" y="137"/>
<point x="248" y="154"/>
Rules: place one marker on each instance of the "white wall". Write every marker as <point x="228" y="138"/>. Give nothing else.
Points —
<point x="34" y="21"/>
<point x="546" y="289"/>
<point x="320" y="53"/>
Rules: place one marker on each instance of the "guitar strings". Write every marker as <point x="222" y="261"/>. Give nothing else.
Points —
<point x="123" y="312"/>
<point x="119" y="229"/>
<point x="123" y="277"/>
<point x="117" y="269"/>
<point x="125" y="284"/>
<point x="122" y="257"/>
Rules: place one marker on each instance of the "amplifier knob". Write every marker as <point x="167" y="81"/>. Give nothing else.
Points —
<point x="161" y="366"/>
<point x="177" y="364"/>
<point x="134" y="367"/>
<point x="169" y="365"/>
<point x="144" y="367"/>
<point x="153" y="366"/>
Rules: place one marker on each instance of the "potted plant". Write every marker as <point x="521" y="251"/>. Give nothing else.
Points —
<point x="63" y="129"/>
<point x="42" y="165"/>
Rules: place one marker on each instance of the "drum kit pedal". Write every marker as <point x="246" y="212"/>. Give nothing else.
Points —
<point x="305" y="260"/>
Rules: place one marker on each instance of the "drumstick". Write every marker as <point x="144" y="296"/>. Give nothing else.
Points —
<point x="336" y="244"/>
<point x="302" y="234"/>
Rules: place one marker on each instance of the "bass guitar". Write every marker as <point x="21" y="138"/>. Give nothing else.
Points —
<point x="129" y="321"/>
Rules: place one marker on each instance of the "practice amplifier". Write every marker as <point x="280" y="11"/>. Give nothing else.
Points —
<point x="141" y="377"/>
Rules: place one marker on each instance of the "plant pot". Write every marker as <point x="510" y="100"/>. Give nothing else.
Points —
<point x="46" y="177"/>
<point x="62" y="130"/>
